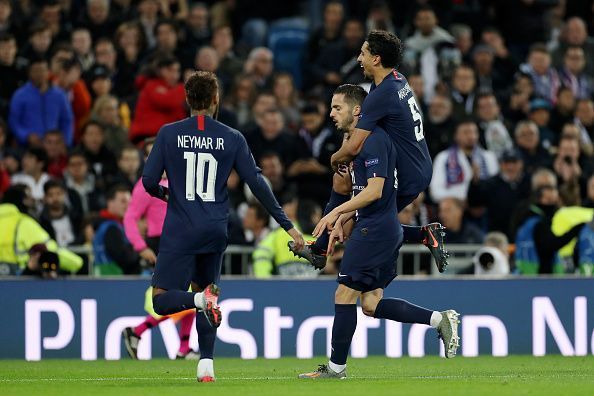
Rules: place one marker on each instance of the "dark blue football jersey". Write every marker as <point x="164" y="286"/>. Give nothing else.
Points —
<point x="198" y="154"/>
<point x="378" y="221"/>
<point x="392" y="106"/>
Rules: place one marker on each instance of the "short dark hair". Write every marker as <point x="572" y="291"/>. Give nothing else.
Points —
<point x="127" y="147"/>
<point x="114" y="190"/>
<point x="78" y="153"/>
<point x="5" y="36"/>
<point x="387" y="46"/>
<point x="53" y="183"/>
<point x="91" y="123"/>
<point x="261" y="213"/>
<point x="169" y="22"/>
<point x="200" y="88"/>
<point x="39" y="154"/>
<point x="539" y="47"/>
<point x="16" y="195"/>
<point x="354" y="95"/>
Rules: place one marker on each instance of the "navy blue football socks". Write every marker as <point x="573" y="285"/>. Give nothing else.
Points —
<point x="173" y="301"/>
<point x="206" y="336"/>
<point x="336" y="199"/>
<point x="412" y="234"/>
<point x="343" y="329"/>
<point x="402" y="311"/>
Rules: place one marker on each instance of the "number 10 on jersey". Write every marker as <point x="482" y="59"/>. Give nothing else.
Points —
<point x="201" y="175"/>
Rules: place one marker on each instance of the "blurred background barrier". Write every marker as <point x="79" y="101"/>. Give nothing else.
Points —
<point x="83" y="318"/>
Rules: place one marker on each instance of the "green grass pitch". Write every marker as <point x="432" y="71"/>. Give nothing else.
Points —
<point x="514" y="375"/>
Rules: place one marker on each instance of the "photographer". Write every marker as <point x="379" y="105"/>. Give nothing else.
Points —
<point x="493" y="257"/>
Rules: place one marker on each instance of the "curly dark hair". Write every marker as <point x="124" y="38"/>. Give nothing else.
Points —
<point x="387" y="45"/>
<point x="200" y="88"/>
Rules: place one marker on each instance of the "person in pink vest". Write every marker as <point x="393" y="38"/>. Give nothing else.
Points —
<point x="152" y="210"/>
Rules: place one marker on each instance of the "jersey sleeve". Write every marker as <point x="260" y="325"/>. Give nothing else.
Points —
<point x="375" y="156"/>
<point x="375" y="107"/>
<point x="153" y="169"/>
<point x="252" y="175"/>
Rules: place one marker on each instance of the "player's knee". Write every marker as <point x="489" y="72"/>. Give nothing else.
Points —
<point x="368" y="308"/>
<point x="158" y="305"/>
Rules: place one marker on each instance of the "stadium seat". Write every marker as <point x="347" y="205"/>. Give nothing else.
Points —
<point x="287" y="39"/>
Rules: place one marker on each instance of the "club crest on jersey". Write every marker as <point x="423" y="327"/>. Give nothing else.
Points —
<point x="371" y="162"/>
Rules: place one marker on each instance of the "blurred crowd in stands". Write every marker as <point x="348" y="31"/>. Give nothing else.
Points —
<point x="506" y="89"/>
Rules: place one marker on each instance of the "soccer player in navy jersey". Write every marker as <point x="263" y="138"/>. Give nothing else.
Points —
<point x="198" y="154"/>
<point x="390" y="105"/>
<point x="368" y="264"/>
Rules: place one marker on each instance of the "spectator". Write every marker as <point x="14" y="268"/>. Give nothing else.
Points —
<point x="492" y="129"/>
<point x="131" y="46"/>
<point x="380" y="17"/>
<point x="99" y="81"/>
<point x="40" y="41"/>
<point x="106" y="55"/>
<point x="563" y="111"/>
<point x="264" y="101"/>
<point x="50" y="13"/>
<point x="114" y="255"/>
<point x="463" y="40"/>
<point x="33" y="175"/>
<point x="572" y="73"/>
<point x="67" y="77"/>
<point x="544" y="76"/>
<point x="79" y="179"/>
<point x="430" y="50"/>
<point x="451" y="215"/>
<point x="463" y="84"/>
<point x="106" y="111"/>
<point x="196" y="30"/>
<point x="81" y="42"/>
<point x="540" y="114"/>
<point x="272" y="257"/>
<point x="153" y="210"/>
<point x="256" y="223"/>
<point x="439" y="124"/>
<point x="206" y="59"/>
<point x="102" y="161"/>
<point x="489" y="78"/>
<point x="7" y="25"/>
<point x="167" y="42"/>
<point x="161" y="100"/>
<point x="273" y="170"/>
<point x="19" y="229"/>
<point x="518" y="101"/>
<point x="241" y="100"/>
<point x="259" y="66"/>
<point x="316" y="143"/>
<point x="337" y="64"/>
<point x="148" y="16"/>
<point x="571" y="168"/>
<point x="55" y="147"/>
<point x="38" y="107"/>
<point x="503" y="61"/>
<point x="287" y="98"/>
<point x="501" y="193"/>
<point x="230" y="65"/>
<point x="534" y="155"/>
<point x="177" y="9"/>
<point x="270" y="135"/>
<point x="58" y="217"/>
<point x="96" y="19"/>
<point x="326" y="34"/>
<point x="417" y="83"/>
<point x="12" y="72"/>
<point x="574" y="33"/>
<point x="584" y="117"/>
<point x="573" y="131"/>
<point x="493" y="257"/>
<point x="454" y="168"/>
<point x="128" y="167"/>
<point x="536" y="245"/>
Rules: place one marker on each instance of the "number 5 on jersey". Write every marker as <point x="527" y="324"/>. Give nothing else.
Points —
<point x="201" y="175"/>
<point x="416" y="115"/>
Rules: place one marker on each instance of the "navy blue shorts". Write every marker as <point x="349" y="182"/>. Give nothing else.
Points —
<point x="402" y="201"/>
<point x="369" y="265"/>
<point x="175" y="271"/>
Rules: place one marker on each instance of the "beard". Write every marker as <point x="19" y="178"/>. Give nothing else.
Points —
<point x="345" y="126"/>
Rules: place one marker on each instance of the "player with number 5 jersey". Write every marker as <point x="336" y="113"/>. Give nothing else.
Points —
<point x="198" y="154"/>
<point x="391" y="105"/>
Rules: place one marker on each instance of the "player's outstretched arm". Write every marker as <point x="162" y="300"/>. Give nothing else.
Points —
<point x="367" y="196"/>
<point x="350" y="148"/>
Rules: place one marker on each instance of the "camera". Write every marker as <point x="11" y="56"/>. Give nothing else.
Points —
<point x="490" y="261"/>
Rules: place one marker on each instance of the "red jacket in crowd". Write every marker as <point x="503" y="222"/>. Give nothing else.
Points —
<point x="158" y="104"/>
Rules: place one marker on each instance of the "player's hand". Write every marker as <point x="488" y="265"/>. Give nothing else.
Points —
<point x="297" y="238"/>
<point x="326" y="223"/>
<point x="337" y="235"/>
<point x="148" y="255"/>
